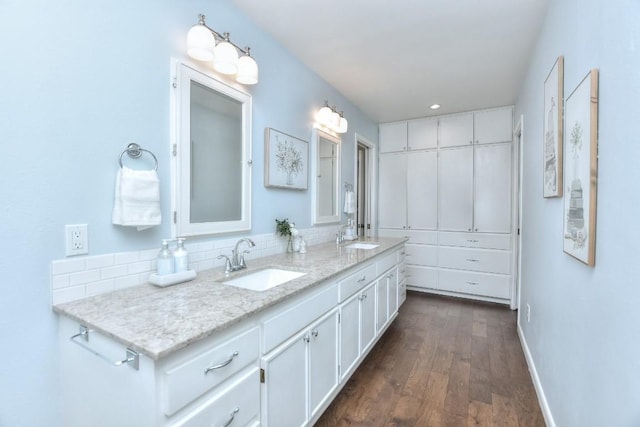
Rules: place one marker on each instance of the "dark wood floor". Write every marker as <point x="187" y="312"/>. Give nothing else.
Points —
<point x="442" y="362"/>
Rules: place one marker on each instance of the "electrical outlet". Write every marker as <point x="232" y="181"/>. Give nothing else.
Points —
<point x="528" y="313"/>
<point x="77" y="239"/>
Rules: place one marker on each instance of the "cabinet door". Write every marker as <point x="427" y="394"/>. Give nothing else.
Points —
<point x="382" y="295"/>
<point x="422" y="134"/>
<point x="495" y="125"/>
<point x="323" y="361"/>
<point x="392" y="288"/>
<point x="393" y="191"/>
<point x="456" y="130"/>
<point x="367" y="317"/>
<point x="492" y="170"/>
<point x="455" y="170"/>
<point x="393" y="137"/>
<point x="286" y="384"/>
<point x="422" y="190"/>
<point x="349" y="334"/>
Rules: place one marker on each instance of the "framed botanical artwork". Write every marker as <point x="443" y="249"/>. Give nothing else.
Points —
<point x="286" y="161"/>
<point x="581" y="169"/>
<point x="553" y="109"/>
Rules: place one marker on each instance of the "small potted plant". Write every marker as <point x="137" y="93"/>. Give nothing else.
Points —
<point x="283" y="228"/>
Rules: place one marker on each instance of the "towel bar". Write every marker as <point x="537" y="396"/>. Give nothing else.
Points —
<point x="132" y="357"/>
<point x="135" y="152"/>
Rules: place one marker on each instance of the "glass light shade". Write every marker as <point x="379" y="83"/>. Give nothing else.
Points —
<point x="226" y="58"/>
<point x="247" y="70"/>
<point x="200" y="43"/>
<point x="324" y="115"/>
<point x="343" y="125"/>
<point x="335" y="120"/>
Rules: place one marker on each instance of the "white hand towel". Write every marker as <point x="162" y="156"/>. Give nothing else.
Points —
<point x="349" y="202"/>
<point x="137" y="198"/>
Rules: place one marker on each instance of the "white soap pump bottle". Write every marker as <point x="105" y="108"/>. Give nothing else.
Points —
<point x="165" y="262"/>
<point x="181" y="257"/>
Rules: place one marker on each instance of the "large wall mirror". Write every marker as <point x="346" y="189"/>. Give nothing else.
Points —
<point x="211" y="154"/>
<point x="325" y="182"/>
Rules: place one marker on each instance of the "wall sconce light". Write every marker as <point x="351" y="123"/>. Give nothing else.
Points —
<point x="330" y="118"/>
<point x="206" y="44"/>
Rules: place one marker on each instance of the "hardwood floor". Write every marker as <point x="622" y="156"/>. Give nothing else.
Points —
<point x="442" y="362"/>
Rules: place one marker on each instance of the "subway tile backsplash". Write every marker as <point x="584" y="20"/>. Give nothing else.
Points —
<point x="80" y="277"/>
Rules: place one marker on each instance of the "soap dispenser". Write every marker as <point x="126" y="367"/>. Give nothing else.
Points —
<point x="165" y="262"/>
<point x="181" y="257"/>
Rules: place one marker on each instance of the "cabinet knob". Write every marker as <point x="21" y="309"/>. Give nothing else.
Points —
<point x="306" y="338"/>
<point x="314" y="333"/>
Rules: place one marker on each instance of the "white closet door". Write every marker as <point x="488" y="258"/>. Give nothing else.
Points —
<point x="393" y="137"/>
<point x="422" y="134"/>
<point x="455" y="170"/>
<point x="493" y="188"/>
<point x="393" y="191"/>
<point x="422" y="190"/>
<point x="456" y="130"/>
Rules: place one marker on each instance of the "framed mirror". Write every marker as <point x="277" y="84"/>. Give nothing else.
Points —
<point x="211" y="153"/>
<point x="325" y="178"/>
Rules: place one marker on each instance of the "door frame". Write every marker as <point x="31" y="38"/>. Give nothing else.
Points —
<point x="518" y="135"/>
<point x="372" y="178"/>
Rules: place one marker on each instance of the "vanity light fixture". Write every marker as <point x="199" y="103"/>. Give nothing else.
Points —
<point x="206" y="44"/>
<point x="330" y="118"/>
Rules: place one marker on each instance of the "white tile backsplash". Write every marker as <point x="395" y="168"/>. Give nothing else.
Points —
<point x="79" y="277"/>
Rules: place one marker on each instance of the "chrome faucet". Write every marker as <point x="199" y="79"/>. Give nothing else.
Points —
<point x="236" y="262"/>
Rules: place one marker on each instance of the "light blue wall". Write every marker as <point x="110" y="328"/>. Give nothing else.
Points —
<point x="585" y="322"/>
<point x="80" y="81"/>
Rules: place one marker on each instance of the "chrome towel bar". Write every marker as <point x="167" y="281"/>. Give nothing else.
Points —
<point x="132" y="357"/>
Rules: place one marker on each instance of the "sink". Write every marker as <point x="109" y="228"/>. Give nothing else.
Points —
<point x="264" y="279"/>
<point x="365" y="246"/>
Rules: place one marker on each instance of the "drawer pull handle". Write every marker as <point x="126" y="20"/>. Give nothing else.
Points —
<point x="233" y="415"/>
<point x="362" y="279"/>
<point x="390" y="276"/>
<point x="472" y="240"/>
<point x="314" y="333"/>
<point x="223" y="364"/>
<point x="402" y="271"/>
<point x="402" y="253"/>
<point x="472" y="260"/>
<point x="473" y="283"/>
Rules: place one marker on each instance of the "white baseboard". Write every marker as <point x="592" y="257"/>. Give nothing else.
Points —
<point x="542" y="399"/>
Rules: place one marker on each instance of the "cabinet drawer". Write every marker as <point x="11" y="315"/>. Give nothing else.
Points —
<point x="426" y="237"/>
<point x="356" y="281"/>
<point x="185" y="382"/>
<point x="483" y="284"/>
<point x="475" y="240"/>
<point x="240" y="401"/>
<point x="387" y="262"/>
<point x="425" y="255"/>
<point x="284" y="324"/>
<point x="402" y="271"/>
<point x="422" y="277"/>
<point x="485" y="260"/>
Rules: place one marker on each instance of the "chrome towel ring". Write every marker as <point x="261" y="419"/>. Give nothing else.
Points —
<point x="135" y="152"/>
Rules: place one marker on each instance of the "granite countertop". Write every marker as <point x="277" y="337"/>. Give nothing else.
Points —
<point x="158" y="321"/>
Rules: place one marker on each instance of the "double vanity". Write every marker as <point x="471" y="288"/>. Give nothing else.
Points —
<point x="271" y="345"/>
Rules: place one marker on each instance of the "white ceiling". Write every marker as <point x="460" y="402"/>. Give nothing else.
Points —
<point x="394" y="58"/>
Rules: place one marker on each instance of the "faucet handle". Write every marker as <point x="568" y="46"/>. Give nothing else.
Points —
<point x="227" y="264"/>
<point x="241" y="262"/>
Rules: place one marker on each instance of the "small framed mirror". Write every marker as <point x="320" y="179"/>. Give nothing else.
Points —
<point x="211" y="147"/>
<point x="325" y="174"/>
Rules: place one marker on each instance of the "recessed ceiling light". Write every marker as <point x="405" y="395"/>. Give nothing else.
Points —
<point x="435" y="106"/>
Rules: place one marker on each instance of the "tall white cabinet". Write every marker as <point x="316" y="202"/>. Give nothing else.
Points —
<point x="446" y="183"/>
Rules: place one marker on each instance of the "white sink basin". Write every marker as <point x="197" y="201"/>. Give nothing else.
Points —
<point x="362" y="246"/>
<point x="264" y="279"/>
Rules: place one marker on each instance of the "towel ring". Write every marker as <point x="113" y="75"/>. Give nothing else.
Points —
<point x="135" y="152"/>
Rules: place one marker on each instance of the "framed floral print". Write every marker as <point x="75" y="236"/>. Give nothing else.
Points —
<point x="286" y="161"/>
<point x="581" y="169"/>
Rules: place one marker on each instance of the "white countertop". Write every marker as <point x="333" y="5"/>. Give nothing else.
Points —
<point x="158" y="321"/>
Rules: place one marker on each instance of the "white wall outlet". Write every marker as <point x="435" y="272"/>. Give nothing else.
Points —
<point x="77" y="239"/>
<point x="528" y="313"/>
